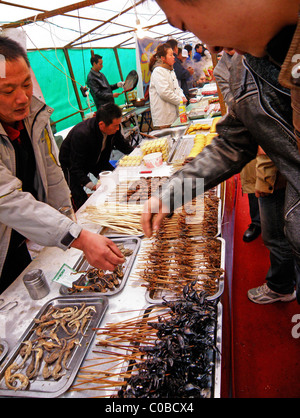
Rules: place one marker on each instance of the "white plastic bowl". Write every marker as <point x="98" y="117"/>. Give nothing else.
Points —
<point x="153" y="160"/>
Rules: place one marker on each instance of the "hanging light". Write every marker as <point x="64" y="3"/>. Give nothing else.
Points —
<point x="139" y="30"/>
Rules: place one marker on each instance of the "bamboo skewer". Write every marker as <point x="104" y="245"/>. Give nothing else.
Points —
<point x="124" y="335"/>
<point x="163" y="265"/>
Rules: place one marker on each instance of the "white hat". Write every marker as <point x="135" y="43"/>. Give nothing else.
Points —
<point x="185" y="54"/>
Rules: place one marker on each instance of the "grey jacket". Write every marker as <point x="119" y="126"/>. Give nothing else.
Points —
<point x="261" y="114"/>
<point x="19" y="210"/>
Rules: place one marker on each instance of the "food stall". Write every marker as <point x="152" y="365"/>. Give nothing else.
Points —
<point x="101" y="334"/>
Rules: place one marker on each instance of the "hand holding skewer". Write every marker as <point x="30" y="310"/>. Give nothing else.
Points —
<point x="153" y="215"/>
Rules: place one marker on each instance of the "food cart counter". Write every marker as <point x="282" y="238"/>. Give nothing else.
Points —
<point x="22" y="315"/>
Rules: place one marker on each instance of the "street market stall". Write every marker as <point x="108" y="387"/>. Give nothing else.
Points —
<point x="71" y="343"/>
<point x="103" y="334"/>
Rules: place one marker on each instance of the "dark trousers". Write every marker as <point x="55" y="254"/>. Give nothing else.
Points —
<point x="16" y="261"/>
<point x="254" y="209"/>
<point x="78" y="195"/>
<point x="281" y="275"/>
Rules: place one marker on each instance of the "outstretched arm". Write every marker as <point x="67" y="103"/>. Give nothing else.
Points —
<point x="100" y="251"/>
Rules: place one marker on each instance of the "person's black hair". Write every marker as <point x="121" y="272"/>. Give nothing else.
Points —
<point x="203" y="49"/>
<point x="189" y="48"/>
<point x="107" y="113"/>
<point x="95" y="58"/>
<point x="12" y="50"/>
<point x="173" y="43"/>
<point x="161" y="51"/>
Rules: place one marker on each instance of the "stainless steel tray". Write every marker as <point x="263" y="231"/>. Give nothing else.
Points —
<point x="132" y="243"/>
<point x="156" y="297"/>
<point x="197" y="114"/>
<point x="3" y="349"/>
<point x="50" y="388"/>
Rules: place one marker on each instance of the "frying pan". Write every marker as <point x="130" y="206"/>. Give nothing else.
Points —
<point x="131" y="81"/>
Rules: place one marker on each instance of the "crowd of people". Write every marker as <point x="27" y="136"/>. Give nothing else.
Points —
<point x="265" y="112"/>
<point x="174" y="72"/>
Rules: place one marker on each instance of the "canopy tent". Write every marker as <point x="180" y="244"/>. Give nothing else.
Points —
<point x="59" y="41"/>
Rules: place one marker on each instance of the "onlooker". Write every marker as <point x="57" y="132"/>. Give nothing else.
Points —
<point x="87" y="149"/>
<point x="101" y="90"/>
<point x="199" y="48"/>
<point x="183" y="75"/>
<point x="202" y="64"/>
<point x="182" y="55"/>
<point x="189" y="60"/>
<point x="248" y="174"/>
<point x="189" y="63"/>
<point x="273" y="41"/>
<point x="165" y="93"/>
<point x="32" y="185"/>
<point x="198" y="64"/>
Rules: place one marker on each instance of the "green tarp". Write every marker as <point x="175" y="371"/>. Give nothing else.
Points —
<point x="49" y="67"/>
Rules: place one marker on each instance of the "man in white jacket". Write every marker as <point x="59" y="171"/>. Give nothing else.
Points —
<point x="165" y="92"/>
<point x="32" y="185"/>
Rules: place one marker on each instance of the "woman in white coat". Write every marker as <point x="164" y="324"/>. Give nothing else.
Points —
<point x="165" y="92"/>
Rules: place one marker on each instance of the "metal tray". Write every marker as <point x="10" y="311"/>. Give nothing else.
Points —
<point x="184" y="145"/>
<point x="132" y="243"/>
<point x="156" y="297"/>
<point x="181" y="150"/>
<point x="175" y="133"/>
<point x="50" y="388"/>
<point x="207" y="121"/>
<point x="197" y="114"/>
<point x="3" y="349"/>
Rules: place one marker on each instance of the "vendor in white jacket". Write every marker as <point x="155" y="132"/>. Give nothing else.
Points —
<point x="165" y="92"/>
<point x="32" y="185"/>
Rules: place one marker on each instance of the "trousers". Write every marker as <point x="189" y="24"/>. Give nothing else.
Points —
<point x="281" y="276"/>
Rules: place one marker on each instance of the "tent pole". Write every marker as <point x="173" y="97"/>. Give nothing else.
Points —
<point x="118" y="63"/>
<point x="52" y="13"/>
<point x="103" y="24"/>
<point x="66" y="52"/>
<point x="120" y="69"/>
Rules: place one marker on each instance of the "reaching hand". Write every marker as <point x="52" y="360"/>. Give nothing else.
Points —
<point x="99" y="251"/>
<point x="153" y="215"/>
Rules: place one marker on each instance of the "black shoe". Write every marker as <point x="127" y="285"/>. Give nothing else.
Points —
<point x="252" y="233"/>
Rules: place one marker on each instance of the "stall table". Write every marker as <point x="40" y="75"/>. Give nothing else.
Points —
<point x="123" y="305"/>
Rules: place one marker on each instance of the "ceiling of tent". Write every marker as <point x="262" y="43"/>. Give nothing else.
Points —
<point x="87" y="24"/>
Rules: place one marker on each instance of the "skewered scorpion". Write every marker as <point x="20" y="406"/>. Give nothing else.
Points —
<point x="180" y="363"/>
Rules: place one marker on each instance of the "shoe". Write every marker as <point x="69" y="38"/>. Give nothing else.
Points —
<point x="252" y="233"/>
<point x="264" y="295"/>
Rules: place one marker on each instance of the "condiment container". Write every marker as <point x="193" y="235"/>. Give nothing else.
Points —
<point x="36" y="284"/>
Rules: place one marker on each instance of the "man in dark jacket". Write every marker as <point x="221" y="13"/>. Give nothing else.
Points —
<point x="87" y="149"/>
<point x="183" y="75"/>
<point x="98" y="84"/>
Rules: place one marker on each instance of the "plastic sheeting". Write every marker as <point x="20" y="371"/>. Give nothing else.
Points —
<point x="51" y="71"/>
